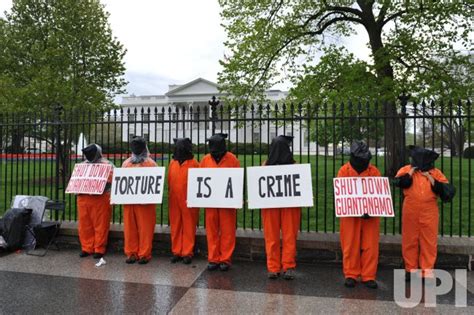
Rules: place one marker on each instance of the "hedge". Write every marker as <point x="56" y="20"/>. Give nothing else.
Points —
<point x="468" y="153"/>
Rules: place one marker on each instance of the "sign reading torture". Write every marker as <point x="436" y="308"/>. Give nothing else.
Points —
<point x="279" y="186"/>
<point x="356" y="196"/>
<point x="138" y="185"/>
<point x="215" y="187"/>
<point x="89" y="178"/>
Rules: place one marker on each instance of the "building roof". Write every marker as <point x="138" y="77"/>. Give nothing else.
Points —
<point x="198" y="90"/>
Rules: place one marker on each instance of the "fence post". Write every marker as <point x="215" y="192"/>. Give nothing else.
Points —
<point x="57" y="124"/>
<point x="214" y="102"/>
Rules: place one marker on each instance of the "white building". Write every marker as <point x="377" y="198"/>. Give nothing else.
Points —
<point x="186" y="105"/>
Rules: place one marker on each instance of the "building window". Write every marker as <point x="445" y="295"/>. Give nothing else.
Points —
<point x="146" y="136"/>
<point x="132" y="117"/>
<point x="146" y="117"/>
<point x="160" y="116"/>
<point x="130" y="136"/>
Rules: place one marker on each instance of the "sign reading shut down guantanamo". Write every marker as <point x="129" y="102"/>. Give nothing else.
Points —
<point x="138" y="185"/>
<point x="356" y="196"/>
<point x="89" y="178"/>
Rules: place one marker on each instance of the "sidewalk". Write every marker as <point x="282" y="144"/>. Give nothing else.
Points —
<point x="63" y="283"/>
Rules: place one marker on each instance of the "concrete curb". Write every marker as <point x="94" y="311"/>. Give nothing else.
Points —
<point x="453" y="252"/>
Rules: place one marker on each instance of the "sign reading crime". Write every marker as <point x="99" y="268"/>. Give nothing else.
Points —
<point x="215" y="187"/>
<point x="356" y="196"/>
<point x="279" y="186"/>
<point x="88" y="178"/>
<point x="138" y="185"/>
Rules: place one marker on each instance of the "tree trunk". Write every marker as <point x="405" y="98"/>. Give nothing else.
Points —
<point x="393" y="132"/>
<point x="17" y="138"/>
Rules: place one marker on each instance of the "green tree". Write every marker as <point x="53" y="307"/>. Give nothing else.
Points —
<point x="270" y="41"/>
<point x="60" y="52"/>
<point x="58" y="60"/>
<point x="341" y="84"/>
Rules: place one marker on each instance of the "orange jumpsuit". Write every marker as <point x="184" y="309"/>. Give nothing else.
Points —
<point x="420" y="221"/>
<point x="183" y="220"/>
<point x="359" y="237"/>
<point x="94" y="220"/>
<point x="220" y="223"/>
<point x="288" y="221"/>
<point x="139" y="222"/>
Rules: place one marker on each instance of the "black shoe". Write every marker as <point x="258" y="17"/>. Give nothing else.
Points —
<point x="97" y="255"/>
<point x="289" y="274"/>
<point x="83" y="254"/>
<point x="372" y="284"/>
<point x="273" y="275"/>
<point x="212" y="266"/>
<point x="143" y="261"/>
<point x="187" y="260"/>
<point x="350" y="282"/>
<point x="131" y="260"/>
<point x="224" y="267"/>
<point x="175" y="259"/>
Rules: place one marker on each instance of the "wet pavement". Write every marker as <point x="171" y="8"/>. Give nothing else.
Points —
<point x="63" y="283"/>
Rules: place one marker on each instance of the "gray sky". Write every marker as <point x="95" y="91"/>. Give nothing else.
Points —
<point x="173" y="42"/>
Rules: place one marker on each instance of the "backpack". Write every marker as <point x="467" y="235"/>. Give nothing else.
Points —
<point x="13" y="227"/>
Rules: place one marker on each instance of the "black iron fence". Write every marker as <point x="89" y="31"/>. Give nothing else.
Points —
<point x="38" y="151"/>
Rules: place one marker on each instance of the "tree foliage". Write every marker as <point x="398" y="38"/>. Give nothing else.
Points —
<point x="412" y="45"/>
<point x="411" y="42"/>
<point x="59" y="52"/>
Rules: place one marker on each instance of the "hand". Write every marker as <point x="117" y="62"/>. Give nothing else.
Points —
<point x="428" y="175"/>
<point x="412" y="170"/>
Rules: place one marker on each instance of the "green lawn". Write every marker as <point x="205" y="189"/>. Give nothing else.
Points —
<point x="38" y="178"/>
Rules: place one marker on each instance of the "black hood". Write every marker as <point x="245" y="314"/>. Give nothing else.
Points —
<point x="217" y="146"/>
<point x="138" y="145"/>
<point x="93" y="153"/>
<point x="280" y="152"/>
<point x="183" y="150"/>
<point x="139" y="149"/>
<point x="422" y="159"/>
<point x="360" y="156"/>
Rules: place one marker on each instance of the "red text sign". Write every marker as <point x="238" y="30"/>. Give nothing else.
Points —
<point x="89" y="179"/>
<point x="356" y="196"/>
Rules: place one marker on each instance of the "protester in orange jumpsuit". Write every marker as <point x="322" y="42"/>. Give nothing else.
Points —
<point x="94" y="211"/>
<point x="183" y="220"/>
<point x="220" y="223"/>
<point x="359" y="236"/>
<point x="281" y="255"/>
<point x="422" y="183"/>
<point x="139" y="220"/>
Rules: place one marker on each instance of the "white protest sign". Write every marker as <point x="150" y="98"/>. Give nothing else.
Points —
<point x="356" y="196"/>
<point x="138" y="185"/>
<point x="215" y="187"/>
<point x="88" y="178"/>
<point x="279" y="186"/>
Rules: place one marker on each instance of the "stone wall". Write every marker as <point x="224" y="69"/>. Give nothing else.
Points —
<point x="320" y="248"/>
